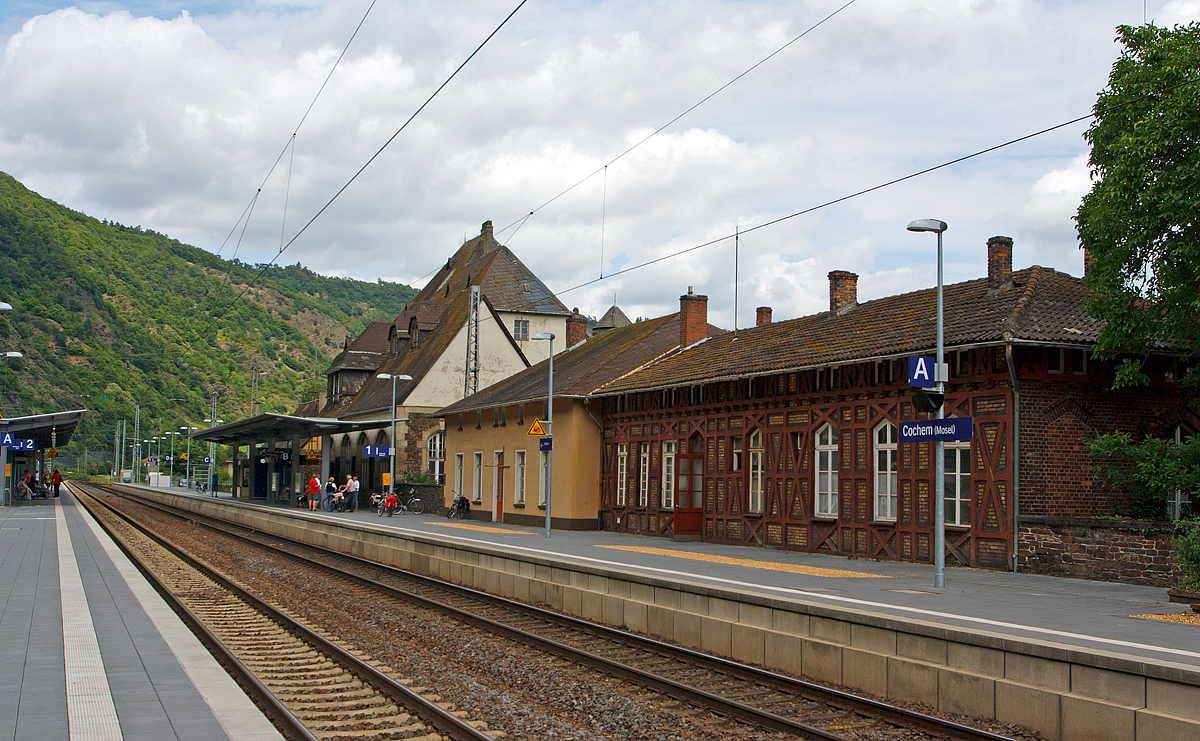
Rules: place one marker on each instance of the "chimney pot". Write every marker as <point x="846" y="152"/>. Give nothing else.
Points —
<point x="487" y="240"/>
<point x="693" y="318"/>
<point x="843" y="289"/>
<point x="999" y="261"/>
<point x="576" y="328"/>
<point x="762" y="316"/>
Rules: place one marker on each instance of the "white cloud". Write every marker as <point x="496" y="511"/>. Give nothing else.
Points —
<point x="173" y="122"/>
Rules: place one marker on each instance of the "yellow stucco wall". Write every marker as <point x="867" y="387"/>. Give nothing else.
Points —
<point x="576" y="464"/>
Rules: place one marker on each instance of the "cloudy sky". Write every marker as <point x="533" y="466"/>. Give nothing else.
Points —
<point x="171" y="116"/>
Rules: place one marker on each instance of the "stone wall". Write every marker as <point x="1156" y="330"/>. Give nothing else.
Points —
<point x="1129" y="551"/>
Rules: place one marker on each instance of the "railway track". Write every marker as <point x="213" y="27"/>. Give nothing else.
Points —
<point x="309" y="686"/>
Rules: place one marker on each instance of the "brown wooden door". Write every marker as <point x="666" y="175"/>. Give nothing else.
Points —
<point x="689" y="493"/>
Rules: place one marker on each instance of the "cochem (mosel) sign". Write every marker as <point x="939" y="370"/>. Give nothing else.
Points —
<point x="933" y="430"/>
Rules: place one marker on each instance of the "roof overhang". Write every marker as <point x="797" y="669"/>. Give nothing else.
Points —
<point x="283" y="427"/>
<point x="46" y="430"/>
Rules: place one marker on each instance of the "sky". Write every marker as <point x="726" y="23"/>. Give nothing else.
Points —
<point x="172" y="116"/>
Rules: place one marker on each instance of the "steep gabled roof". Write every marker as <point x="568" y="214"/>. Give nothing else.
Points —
<point x="363" y="352"/>
<point x="612" y="318"/>
<point x="585" y="367"/>
<point x="1039" y="306"/>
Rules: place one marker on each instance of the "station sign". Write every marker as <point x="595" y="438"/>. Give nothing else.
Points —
<point x="378" y="451"/>
<point x="935" y="430"/>
<point x="16" y="443"/>
<point x="546" y="444"/>
<point x="922" y="371"/>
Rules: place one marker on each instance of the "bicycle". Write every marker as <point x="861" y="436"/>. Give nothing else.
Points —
<point x="405" y="501"/>
<point x="201" y="487"/>
<point x="461" y="508"/>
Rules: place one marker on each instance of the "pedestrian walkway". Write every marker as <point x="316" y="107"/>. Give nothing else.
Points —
<point x="88" y="650"/>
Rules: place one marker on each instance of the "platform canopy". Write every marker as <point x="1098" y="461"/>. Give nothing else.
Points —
<point x="283" y="427"/>
<point x="46" y="430"/>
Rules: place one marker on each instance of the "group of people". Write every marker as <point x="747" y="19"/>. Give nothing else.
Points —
<point x="31" y="486"/>
<point x="349" y="490"/>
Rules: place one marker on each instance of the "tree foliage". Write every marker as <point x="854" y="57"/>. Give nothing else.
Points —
<point x="1146" y="469"/>
<point x="1139" y="222"/>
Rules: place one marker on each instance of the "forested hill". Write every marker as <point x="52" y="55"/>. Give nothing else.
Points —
<point x="109" y="317"/>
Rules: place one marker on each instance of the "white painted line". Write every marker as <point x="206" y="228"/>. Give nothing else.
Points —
<point x="237" y="714"/>
<point x="91" y="715"/>
<point x="554" y="555"/>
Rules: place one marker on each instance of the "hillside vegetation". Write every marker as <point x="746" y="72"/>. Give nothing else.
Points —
<point x="111" y="318"/>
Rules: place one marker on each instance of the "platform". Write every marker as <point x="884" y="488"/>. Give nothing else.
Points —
<point x="88" y="650"/>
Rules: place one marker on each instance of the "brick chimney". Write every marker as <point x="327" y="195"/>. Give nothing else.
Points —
<point x="576" y="328"/>
<point x="999" y="261"/>
<point x="1089" y="262"/>
<point x="762" y="315"/>
<point x="487" y="241"/>
<point x="843" y="289"/>
<point x="693" y="318"/>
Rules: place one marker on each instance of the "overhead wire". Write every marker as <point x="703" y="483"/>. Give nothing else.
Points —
<point x="880" y="186"/>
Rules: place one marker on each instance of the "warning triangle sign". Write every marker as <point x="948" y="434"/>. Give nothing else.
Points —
<point x="537" y="430"/>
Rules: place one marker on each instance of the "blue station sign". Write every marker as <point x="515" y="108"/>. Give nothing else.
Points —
<point x="16" y="443"/>
<point x="933" y="430"/>
<point x="377" y="451"/>
<point x="546" y="444"/>
<point x="921" y="371"/>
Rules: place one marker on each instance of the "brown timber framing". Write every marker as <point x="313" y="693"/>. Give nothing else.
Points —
<point x="788" y="408"/>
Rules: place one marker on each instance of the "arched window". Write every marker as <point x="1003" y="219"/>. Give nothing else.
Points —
<point x="886" y="466"/>
<point x="436" y="455"/>
<point x="758" y="464"/>
<point x="827" y="471"/>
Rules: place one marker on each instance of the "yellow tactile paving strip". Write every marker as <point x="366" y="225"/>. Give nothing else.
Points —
<point x="765" y="565"/>
<point x="480" y="528"/>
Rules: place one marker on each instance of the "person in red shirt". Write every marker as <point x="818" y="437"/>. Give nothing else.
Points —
<point x="314" y="493"/>
<point x="56" y="481"/>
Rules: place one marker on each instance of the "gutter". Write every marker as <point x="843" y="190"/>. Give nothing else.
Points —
<point x="1016" y="458"/>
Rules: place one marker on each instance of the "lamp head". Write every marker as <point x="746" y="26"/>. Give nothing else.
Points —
<point x="928" y="225"/>
<point x="543" y="336"/>
<point x="13" y="354"/>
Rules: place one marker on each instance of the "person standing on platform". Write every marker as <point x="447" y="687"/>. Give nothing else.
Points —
<point x="56" y="481"/>
<point x="314" y="493"/>
<point x="353" y="494"/>
<point x="330" y="489"/>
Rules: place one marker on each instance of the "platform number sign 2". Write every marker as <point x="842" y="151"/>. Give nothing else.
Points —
<point x="16" y="443"/>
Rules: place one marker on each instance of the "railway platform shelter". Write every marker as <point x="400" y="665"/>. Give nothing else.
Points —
<point x="269" y="445"/>
<point x="25" y="439"/>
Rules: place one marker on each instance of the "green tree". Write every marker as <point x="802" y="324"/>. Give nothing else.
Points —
<point x="1139" y="224"/>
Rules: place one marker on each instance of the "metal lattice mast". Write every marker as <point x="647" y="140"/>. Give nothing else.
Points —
<point x="471" y="380"/>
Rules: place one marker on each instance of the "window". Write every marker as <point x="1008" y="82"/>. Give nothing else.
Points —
<point x="958" y="483"/>
<point x="458" y="474"/>
<point x="757" y="466"/>
<point x="520" y="329"/>
<point x="886" y="457"/>
<point x="622" y="472"/>
<point x="668" y="475"/>
<point x="436" y="449"/>
<point x="643" y="473"/>
<point x="519" y="484"/>
<point x="542" y="479"/>
<point x="735" y="454"/>
<point x="1063" y="360"/>
<point x="477" y="479"/>
<point x="827" y="471"/>
<point x="1179" y="501"/>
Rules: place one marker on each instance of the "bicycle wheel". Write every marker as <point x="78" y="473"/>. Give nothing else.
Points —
<point x="416" y="506"/>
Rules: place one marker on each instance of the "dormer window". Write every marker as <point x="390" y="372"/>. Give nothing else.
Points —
<point x="413" y="331"/>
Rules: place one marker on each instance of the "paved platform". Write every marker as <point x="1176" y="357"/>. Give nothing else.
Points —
<point x="1088" y="616"/>
<point x="88" y="650"/>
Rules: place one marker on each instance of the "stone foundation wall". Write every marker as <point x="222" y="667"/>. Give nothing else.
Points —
<point x="1129" y="551"/>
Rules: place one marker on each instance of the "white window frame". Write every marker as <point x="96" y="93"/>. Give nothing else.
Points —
<point x="519" y="479"/>
<point x="521" y="330"/>
<point x="1178" y="499"/>
<point x="758" y="461"/>
<point x="542" y="479"/>
<point x="668" y="474"/>
<point x="735" y="454"/>
<point x="622" y="472"/>
<point x="827" y="460"/>
<point x="957" y="482"/>
<point x="458" y="474"/>
<point x="643" y="473"/>
<point x="435" y="449"/>
<point x="887" y="466"/>
<point x="477" y="478"/>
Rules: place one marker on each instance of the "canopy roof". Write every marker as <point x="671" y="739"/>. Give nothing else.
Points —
<point x="282" y="427"/>
<point x="47" y="430"/>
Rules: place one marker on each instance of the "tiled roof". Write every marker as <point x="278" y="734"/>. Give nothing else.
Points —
<point x="1040" y="305"/>
<point x="614" y="317"/>
<point x="501" y="276"/>
<point x="584" y="368"/>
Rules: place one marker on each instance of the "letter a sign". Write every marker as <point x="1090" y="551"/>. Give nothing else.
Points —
<point x="537" y="430"/>
<point x="920" y="371"/>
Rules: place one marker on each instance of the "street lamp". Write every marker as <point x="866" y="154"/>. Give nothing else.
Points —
<point x="212" y="450"/>
<point x="10" y="354"/>
<point x="392" y="450"/>
<point x="549" y="422"/>
<point x="939" y="376"/>
<point x="188" y="468"/>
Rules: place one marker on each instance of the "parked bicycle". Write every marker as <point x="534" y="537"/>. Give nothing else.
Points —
<point x="461" y="508"/>
<point x="404" y="501"/>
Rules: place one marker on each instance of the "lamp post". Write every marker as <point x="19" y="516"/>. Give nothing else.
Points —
<point x="549" y="422"/>
<point x="939" y="376"/>
<point x="392" y="448"/>
<point x="212" y="450"/>
<point x="188" y="468"/>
